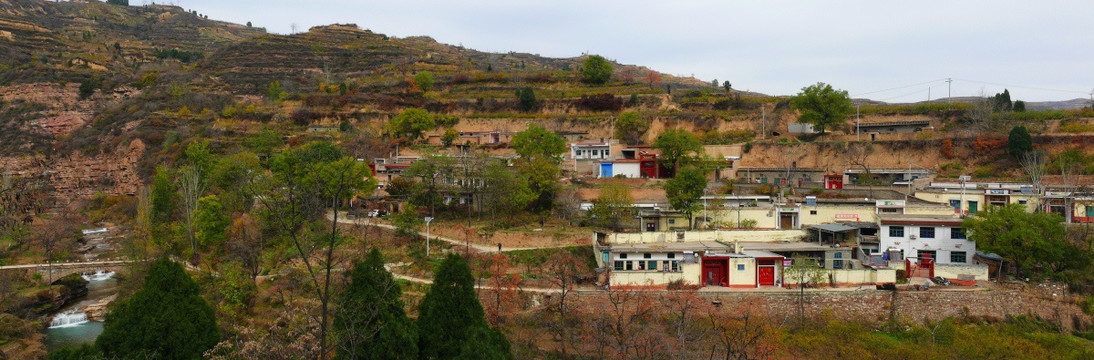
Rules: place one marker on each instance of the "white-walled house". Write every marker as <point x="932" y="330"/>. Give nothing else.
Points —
<point x="918" y="235"/>
<point x="590" y="150"/>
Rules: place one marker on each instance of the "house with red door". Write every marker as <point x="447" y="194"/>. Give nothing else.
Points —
<point x="737" y="259"/>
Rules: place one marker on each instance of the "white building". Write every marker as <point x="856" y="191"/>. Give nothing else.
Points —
<point x="590" y="150"/>
<point x="918" y="236"/>
<point x="628" y="168"/>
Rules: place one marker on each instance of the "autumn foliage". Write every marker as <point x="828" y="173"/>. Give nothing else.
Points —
<point x="947" y="149"/>
<point x="986" y="144"/>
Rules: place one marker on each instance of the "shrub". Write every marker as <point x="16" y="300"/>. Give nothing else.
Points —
<point x="947" y="149"/>
<point x="1076" y="127"/>
<point x="986" y="144"/>
<point x="424" y="80"/>
<point x="600" y="102"/>
<point x="596" y="70"/>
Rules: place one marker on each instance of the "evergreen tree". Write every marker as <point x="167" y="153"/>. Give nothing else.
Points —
<point x="1019" y="142"/>
<point x="451" y="322"/>
<point x="167" y="319"/>
<point x="371" y="322"/>
<point x="527" y="99"/>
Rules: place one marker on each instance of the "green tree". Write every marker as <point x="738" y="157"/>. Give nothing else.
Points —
<point x="451" y="322"/>
<point x="596" y="70"/>
<point x="198" y="154"/>
<point x="450" y="136"/>
<point x="630" y="127"/>
<point x="166" y="319"/>
<point x="726" y="85"/>
<point x="370" y="322"/>
<point x="211" y="222"/>
<point x="684" y="191"/>
<point x="433" y="170"/>
<point x="1002" y="102"/>
<point x="163" y="196"/>
<point x="274" y="93"/>
<point x="424" y="80"/>
<point x="542" y="177"/>
<point x="1019" y="106"/>
<point x="805" y="271"/>
<point x="1036" y="241"/>
<point x="410" y="123"/>
<point x="526" y="98"/>
<point x="613" y="207"/>
<point x="538" y="143"/>
<point x="264" y="142"/>
<point x="407" y="221"/>
<point x="118" y="2"/>
<point x="1019" y="142"/>
<point x="822" y="106"/>
<point x="504" y="191"/>
<point x="678" y="147"/>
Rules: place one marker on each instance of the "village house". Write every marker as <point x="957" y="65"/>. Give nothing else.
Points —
<point x="723" y="259"/>
<point x="921" y="237"/>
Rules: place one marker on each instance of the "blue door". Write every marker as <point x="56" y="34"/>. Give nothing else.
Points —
<point x="605" y="170"/>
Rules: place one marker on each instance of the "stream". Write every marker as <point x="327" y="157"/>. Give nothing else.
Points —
<point x="72" y="326"/>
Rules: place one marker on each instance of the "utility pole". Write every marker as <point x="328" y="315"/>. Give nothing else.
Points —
<point x="428" y="219"/>
<point x="763" y="121"/>
<point x="949" y="94"/>
<point x="857" y="119"/>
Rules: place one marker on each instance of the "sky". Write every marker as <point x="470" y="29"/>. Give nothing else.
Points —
<point x="893" y="51"/>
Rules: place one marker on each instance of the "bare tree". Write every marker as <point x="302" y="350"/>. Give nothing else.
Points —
<point x="56" y="233"/>
<point x="191" y="187"/>
<point x="742" y="332"/>
<point x="982" y="113"/>
<point x="138" y="242"/>
<point x="568" y="205"/>
<point x="1033" y="163"/>
<point x="562" y="270"/>
<point x="683" y="308"/>
<point x="858" y="155"/>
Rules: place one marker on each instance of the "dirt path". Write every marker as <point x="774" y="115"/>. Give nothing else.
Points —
<point x="476" y="247"/>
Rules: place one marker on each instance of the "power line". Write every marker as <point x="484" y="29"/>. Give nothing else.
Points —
<point x="1022" y="87"/>
<point x="900" y="87"/>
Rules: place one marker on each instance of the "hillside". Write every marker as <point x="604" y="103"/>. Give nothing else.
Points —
<point x="123" y="89"/>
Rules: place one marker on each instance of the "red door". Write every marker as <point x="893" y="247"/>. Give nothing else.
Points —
<point x="766" y="275"/>
<point x="714" y="272"/>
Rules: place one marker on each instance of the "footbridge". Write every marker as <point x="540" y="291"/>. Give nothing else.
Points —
<point x="61" y="270"/>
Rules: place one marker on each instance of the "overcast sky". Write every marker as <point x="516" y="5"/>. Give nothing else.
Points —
<point x="883" y="50"/>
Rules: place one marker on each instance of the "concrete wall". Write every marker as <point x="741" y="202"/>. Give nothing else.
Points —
<point x="628" y="169"/>
<point x="853" y="277"/>
<point x="977" y="195"/>
<point x="954" y="271"/>
<point x="743" y="236"/>
<point x="745" y="277"/>
<point x="689" y="273"/>
<point x="827" y="213"/>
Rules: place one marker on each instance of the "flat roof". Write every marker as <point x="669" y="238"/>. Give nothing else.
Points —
<point x="789" y="246"/>
<point x="919" y="220"/>
<point x="672" y="246"/>
<point x="761" y="254"/>
<point x="833" y="227"/>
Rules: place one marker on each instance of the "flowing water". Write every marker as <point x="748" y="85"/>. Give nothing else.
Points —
<point x="71" y="326"/>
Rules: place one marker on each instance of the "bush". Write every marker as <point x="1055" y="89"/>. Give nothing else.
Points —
<point x="600" y="102"/>
<point x="424" y="80"/>
<point x="596" y="70"/>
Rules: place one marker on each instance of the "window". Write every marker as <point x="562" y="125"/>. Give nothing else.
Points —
<point x="955" y="204"/>
<point x="675" y="266"/>
<point x="1023" y="201"/>
<point x="890" y="211"/>
<point x="672" y="221"/>
<point x="622" y="256"/>
<point x="740" y="267"/>
<point x="672" y="255"/>
<point x="578" y="152"/>
<point x="651" y="265"/>
<point x="837" y="264"/>
<point x="627" y="265"/>
<point x="647" y="256"/>
<point x="896" y="231"/>
<point x="812" y="212"/>
<point x="957" y="257"/>
<point x="605" y="152"/>
<point x="958" y="233"/>
<point x="619" y="265"/>
<point x="926" y="232"/>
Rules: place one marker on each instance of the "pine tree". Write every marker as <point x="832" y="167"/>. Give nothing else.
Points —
<point x="371" y="322"/>
<point x="451" y="322"/>
<point x="167" y="319"/>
